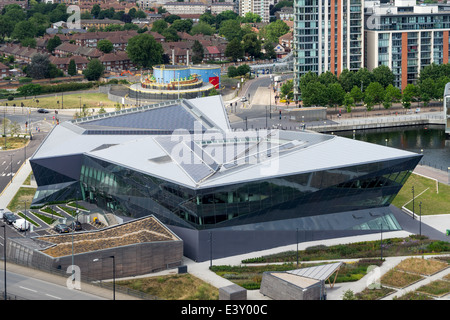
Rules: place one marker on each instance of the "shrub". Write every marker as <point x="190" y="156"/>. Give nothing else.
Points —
<point x="438" y="246"/>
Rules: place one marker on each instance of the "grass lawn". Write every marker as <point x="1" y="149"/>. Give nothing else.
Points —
<point x="432" y="202"/>
<point x="71" y="101"/>
<point x="436" y="288"/>
<point x="421" y="266"/>
<point x="13" y="143"/>
<point x="399" y="279"/>
<point x="18" y="202"/>
<point x="173" y="287"/>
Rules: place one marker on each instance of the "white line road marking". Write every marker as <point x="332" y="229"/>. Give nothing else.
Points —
<point x="49" y="295"/>
<point x="28" y="289"/>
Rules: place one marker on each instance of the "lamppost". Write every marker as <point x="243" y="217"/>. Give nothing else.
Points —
<point x="25" y="209"/>
<point x="4" y="254"/>
<point x="420" y="218"/>
<point x="413" y="202"/>
<point x="381" y="242"/>
<point x="114" y="273"/>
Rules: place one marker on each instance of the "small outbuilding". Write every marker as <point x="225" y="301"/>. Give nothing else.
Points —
<point x="299" y="284"/>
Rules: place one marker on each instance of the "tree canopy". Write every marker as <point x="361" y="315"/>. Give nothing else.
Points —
<point x="144" y="51"/>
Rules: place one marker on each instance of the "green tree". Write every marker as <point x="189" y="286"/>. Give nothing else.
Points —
<point x="250" y="17"/>
<point x="39" y="66"/>
<point x="269" y="49"/>
<point x="363" y="77"/>
<point x="95" y="11"/>
<point x="230" y="29"/>
<point x="144" y="51"/>
<point x="392" y="94"/>
<point x="53" y="43"/>
<point x="6" y="26"/>
<point x="274" y="30"/>
<point x="208" y="18"/>
<point x="409" y="93"/>
<point x="171" y="34"/>
<point x="348" y="102"/>
<point x="252" y="45"/>
<point x="197" y="52"/>
<point x="377" y="91"/>
<point x="232" y="72"/>
<point x="234" y="50"/>
<point x="312" y="94"/>
<point x="307" y="78"/>
<point x="72" y="69"/>
<point x="243" y="69"/>
<point x="105" y="46"/>
<point x="356" y="94"/>
<point x="24" y="29"/>
<point x="202" y="28"/>
<point x="30" y="89"/>
<point x="159" y="26"/>
<point x="94" y="70"/>
<point x="334" y="94"/>
<point x="347" y="81"/>
<point x="383" y="75"/>
<point x="172" y="18"/>
<point x="327" y="78"/>
<point x="184" y="25"/>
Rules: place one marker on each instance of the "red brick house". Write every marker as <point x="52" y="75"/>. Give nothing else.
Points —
<point x="116" y="62"/>
<point x="4" y="71"/>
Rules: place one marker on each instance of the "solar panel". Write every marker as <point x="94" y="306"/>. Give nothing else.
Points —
<point x="182" y="153"/>
<point x="168" y="118"/>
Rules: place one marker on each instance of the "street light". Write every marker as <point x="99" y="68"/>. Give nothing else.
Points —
<point x="413" y="202"/>
<point x="420" y="218"/>
<point x="4" y="254"/>
<point x="114" y="273"/>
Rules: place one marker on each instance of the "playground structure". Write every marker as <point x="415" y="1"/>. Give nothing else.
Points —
<point x="169" y="82"/>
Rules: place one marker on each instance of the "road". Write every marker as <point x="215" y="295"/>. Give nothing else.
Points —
<point x="29" y="288"/>
<point x="259" y="98"/>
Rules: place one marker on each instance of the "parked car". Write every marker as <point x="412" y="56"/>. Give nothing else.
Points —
<point x="76" y="225"/>
<point x="21" y="224"/>
<point x="243" y="99"/>
<point x="61" y="228"/>
<point x="9" y="217"/>
<point x="42" y="111"/>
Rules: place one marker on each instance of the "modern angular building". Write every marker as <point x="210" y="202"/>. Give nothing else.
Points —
<point x="406" y="36"/>
<point x="223" y="192"/>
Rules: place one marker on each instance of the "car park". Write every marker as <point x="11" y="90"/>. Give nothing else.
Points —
<point x="42" y="111"/>
<point x="9" y="217"/>
<point x="61" y="228"/>
<point x="21" y="225"/>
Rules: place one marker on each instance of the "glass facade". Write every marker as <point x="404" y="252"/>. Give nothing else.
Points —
<point x="129" y="193"/>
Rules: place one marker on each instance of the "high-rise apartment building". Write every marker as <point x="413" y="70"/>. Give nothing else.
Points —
<point x="259" y="7"/>
<point x="328" y="36"/>
<point x="406" y="37"/>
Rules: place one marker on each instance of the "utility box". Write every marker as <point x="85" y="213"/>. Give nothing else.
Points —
<point x="232" y="292"/>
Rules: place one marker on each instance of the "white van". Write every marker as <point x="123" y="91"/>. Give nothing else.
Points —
<point x="21" y="225"/>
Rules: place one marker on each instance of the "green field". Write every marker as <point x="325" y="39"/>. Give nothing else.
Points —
<point x="68" y="101"/>
<point x="435" y="200"/>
